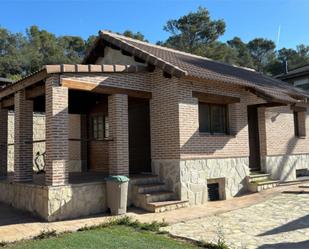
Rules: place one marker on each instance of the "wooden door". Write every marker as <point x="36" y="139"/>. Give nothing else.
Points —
<point x="254" y="139"/>
<point x="139" y="136"/>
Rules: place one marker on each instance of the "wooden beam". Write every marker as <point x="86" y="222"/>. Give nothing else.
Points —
<point x="26" y="82"/>
<point x="298" y="108"/>
<point x="86" y="86"/>
<point x="215" y="98"/>
<point x="272" y="104"/>
<point x="7" y="102"/>
<point x="266" y="97"/>
<point x="34" y="92"/>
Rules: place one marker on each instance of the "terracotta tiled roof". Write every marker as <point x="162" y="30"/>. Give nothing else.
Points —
<point x="181" y="64"/>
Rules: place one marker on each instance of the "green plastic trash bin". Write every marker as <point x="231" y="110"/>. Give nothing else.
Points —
<point x="117" y="194"/>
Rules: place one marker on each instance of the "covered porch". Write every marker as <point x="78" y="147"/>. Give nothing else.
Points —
<point x="91" y="131"/>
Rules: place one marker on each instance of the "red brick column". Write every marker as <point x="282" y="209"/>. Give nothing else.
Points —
<point x="57" y="132"/>
<point x="3" y="141"/>
<point x="23" y="137"/>
<point x="119" y="132"/>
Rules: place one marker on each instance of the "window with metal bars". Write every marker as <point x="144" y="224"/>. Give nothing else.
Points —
<point x="213" y="118"/>
<point x="99" y="127"/>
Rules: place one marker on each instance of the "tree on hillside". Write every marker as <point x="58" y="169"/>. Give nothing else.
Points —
<point x="290" y="58"/>
<point x="262" y="52"/>
<point x="191" y="31"/>
<point x="219" y="51"/>
<point x="243" y="55"/>
<point x="11" y="60"/>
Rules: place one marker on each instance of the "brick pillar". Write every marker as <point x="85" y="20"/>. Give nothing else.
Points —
<point x="119" y="132"/>
<point x="23" y="137"/>
<point x="57" y="133"/>
<point x="3" y="142"/>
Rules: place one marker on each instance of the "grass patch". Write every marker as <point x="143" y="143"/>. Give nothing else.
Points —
<point x="114" y="237"/>
<point x="118" y="233"/>
<point x="127" y="221"/>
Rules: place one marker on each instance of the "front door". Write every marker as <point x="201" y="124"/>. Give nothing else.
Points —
<point x="254" y="140"/>
<point x="139" y="136"/>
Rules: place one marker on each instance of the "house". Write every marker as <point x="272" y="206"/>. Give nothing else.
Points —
<point x="298" y="77"/>
<point x="186" y="129"/>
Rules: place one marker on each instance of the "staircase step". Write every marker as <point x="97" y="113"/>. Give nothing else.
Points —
<point x="159" y="196"/>
<point x="163" y="206"/>
<point x="255" y="170"/>
<point x="150" y="188"/>
<point x="144" y="179"/>
<point x="258" y="177"/>
<point x="258" y="186"/>
<point x="261" y="183"/>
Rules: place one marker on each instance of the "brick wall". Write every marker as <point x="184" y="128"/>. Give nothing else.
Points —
<point x="119" y="133"/>
<point x="173" y="106"/>
<point x="174" y="120"/>
<point x="57" y="132"/>
<point x="194" y="144"/>
<point x="163" y="105"/>
<point x="23" y="137"/>
<point x="3" y="141"/>
<point x="164" y="117"/>
<point x="280" y="134"/>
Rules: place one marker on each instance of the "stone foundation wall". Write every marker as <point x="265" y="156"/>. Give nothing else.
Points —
<point x="194" y="175"/>
<point x="284" y="167"/>
<point x="27" y="197"/>
<point x="72" y="201"/>
<point x="188" y="178"/>
<point x="55" y="203"/>
<point x="169" y="173"/>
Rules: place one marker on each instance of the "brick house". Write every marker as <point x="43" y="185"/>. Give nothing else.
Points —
<point x="186" y="129"/>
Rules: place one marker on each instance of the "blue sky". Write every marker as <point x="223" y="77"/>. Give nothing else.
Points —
<point x="244" y="18"/>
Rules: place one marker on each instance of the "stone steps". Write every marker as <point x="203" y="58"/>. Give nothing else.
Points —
<point x="144" y="179"/>
<point x="259" y="177"/>
<point x="152" y="195"/>
<point x="149" y="188"/>
<point x="259" y="181"/>
<point x="163" y="206"/>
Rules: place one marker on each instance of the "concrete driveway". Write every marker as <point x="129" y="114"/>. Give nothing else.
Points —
<point x="280" y="222"/>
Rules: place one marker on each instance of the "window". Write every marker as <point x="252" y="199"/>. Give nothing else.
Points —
<point x="299" y="123"/>
<point x="99" y="127"/>
<point x="213" y="118"/>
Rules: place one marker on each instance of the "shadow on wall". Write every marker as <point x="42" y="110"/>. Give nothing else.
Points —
<point x="284" y="169"/>
<point x="200" y="143"/>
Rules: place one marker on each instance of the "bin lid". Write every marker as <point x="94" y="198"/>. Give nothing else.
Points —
<point x="117" y="178"/>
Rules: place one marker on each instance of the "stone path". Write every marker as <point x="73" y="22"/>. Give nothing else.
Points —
<point x="280" y="222"/>
<point x="15" y="225"/>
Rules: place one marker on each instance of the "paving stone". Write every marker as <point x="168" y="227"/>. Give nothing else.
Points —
<point x="272" y="224"/>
